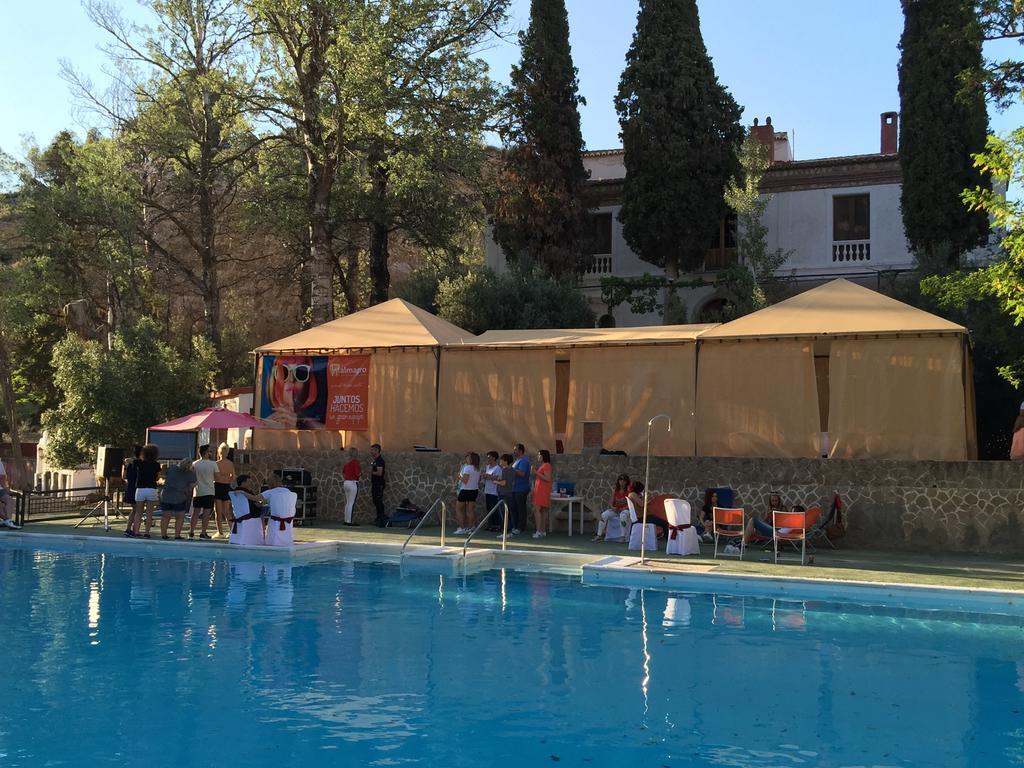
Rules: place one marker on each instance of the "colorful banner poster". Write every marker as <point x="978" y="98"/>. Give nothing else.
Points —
<point x="293" y="391"/>
<point x="348" y="392"/>
<point x="316" y="392"/>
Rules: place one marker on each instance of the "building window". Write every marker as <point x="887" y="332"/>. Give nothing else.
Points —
<point x="851" y="217"/>
<point x="722" y="252"/>
<point x="599" y="240"/>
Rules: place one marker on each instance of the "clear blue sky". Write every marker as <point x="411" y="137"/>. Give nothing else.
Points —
<point x="823" y="69"/>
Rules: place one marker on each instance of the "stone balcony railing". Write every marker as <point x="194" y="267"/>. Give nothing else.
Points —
<point x="601" y="265"/>
<point x="851" y="250"/>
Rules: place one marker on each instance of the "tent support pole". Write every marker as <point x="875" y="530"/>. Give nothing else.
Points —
<point x="437" y="390"/>
<point x="255" y="382"/>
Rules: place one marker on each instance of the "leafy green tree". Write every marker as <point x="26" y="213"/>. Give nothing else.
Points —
<point x="74" y="254"/>
<point x="942" y="124"/>
<point x="1003" y="79"/>
<point x="1003" y="278"/>
<point x="187" y="81"/>
<point x="482" y="300"/>
<point x="305" y="98"/>
<point x="422" y="99"/>
<point x="110" y="398"/>
<point x="680" y="132"/>
<point x="539" y="211"/>
<point x="751" y="283"/>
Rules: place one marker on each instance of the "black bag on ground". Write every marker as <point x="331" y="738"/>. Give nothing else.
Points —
<point x="406" y="513"/>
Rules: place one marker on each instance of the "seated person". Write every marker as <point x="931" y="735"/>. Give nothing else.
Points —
<point x="762" y="528"/>
<point x="636" y="495"/>
<point x="618" y="508"/>
<point x="705" y="525"/>
<point x="246" y="527"/>
<point x="282" y="513"/>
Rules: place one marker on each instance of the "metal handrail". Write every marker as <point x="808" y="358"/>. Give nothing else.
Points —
<point x="481" y="525"/>
<point x="444" y="515"/>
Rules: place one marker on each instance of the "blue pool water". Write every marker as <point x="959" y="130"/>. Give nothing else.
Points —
<point x="113" y="660"/>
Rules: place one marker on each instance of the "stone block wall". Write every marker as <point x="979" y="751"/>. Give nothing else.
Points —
<point x="911" y="505"/>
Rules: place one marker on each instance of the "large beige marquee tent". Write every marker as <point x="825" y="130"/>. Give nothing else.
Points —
<point x="540" y="387"/>
<point x="404" y="343"/>
<point x="839" y="366"/>
<point x="879" y="378"/>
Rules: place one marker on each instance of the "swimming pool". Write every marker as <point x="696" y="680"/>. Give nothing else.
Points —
<point x="122" y="660"/>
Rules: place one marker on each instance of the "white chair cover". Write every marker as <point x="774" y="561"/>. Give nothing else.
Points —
<point x="686" y="541"/>
<point x="248" y="531"/>
<point x="282" y="504"/>
<point x="614" y="531"/>
<point x="650" y="541"/>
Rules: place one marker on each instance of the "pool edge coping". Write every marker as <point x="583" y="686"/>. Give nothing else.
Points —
<point x="621" y="568"/>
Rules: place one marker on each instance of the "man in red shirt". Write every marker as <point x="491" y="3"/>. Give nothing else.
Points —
<point x="350" y="474"/>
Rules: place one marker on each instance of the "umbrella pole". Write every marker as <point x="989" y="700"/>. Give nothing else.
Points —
<point x="647" y="482"/>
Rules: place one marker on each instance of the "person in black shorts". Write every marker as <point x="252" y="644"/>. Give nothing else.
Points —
<point x="205" y="470"/>
<point x="377" y="483"/>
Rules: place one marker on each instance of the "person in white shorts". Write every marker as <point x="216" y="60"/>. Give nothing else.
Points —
<point x="146" y="495"/>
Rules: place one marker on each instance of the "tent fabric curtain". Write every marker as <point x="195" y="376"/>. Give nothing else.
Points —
<point x="402" y="407"/>
<point x="758" y="398"/>
<point x="495" y="398"/>
<point x="624" y="387"/>
<point x="898" y="398"/>
<point x="295" y="439"/>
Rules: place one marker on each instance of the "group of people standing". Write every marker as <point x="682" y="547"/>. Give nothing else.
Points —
<point x="508" y="478"/>
<point x="212" y="490"/>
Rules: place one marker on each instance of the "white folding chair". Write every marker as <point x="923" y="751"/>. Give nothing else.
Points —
<point x="682" y="536"/>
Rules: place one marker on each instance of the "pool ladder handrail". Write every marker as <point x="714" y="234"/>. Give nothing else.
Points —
<point x="504" y="533"/>
<point x="444" y="517"/>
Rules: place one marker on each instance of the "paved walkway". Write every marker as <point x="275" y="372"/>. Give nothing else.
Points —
<point x="993" y="572"/>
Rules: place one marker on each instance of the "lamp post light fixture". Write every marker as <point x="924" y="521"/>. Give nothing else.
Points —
<point x="647" y="481"/>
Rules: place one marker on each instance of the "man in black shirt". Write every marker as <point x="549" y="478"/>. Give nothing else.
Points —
<point x="377" y="483"/>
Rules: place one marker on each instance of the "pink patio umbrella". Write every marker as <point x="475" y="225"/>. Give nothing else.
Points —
<point x="214" y="418"/>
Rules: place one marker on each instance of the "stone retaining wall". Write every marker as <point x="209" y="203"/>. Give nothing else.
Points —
<point x="913" y="505"/>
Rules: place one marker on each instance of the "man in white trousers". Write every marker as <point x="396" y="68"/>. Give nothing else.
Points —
<point x="350" y="474"/>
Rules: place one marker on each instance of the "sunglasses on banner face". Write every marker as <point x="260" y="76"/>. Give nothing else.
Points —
<point x="296" y="372"/>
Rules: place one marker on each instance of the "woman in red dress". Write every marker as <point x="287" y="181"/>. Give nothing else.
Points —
<point x="542" y="480"/>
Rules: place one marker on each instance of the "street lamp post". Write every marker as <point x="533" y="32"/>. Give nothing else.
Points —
<point x="647" y="482"/>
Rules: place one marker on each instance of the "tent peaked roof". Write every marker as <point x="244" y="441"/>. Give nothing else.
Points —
<point x="837" y="308"/>
<point x="557" y="337"/>
<point x="395" y="323"/>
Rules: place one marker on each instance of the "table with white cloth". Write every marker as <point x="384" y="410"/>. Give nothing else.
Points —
<point x="568" y="501"/>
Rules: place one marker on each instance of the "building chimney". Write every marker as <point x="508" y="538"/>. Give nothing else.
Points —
<point x="890" y="132"/>
<point x="766" y="135"/>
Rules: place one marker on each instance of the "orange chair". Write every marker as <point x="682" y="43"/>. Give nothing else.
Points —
<point x="791" y="527"/>
<point x="727" y="523"/>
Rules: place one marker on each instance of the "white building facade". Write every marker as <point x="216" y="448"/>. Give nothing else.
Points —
<point x="838" y="217"/>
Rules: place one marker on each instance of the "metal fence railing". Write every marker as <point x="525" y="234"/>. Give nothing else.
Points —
<point x="63" y="504"/>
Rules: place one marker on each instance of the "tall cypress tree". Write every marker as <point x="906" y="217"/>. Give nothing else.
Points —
<point x="539" y="213"/>
<point x="680" y="131"/>
<point x="943" y="123"/>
